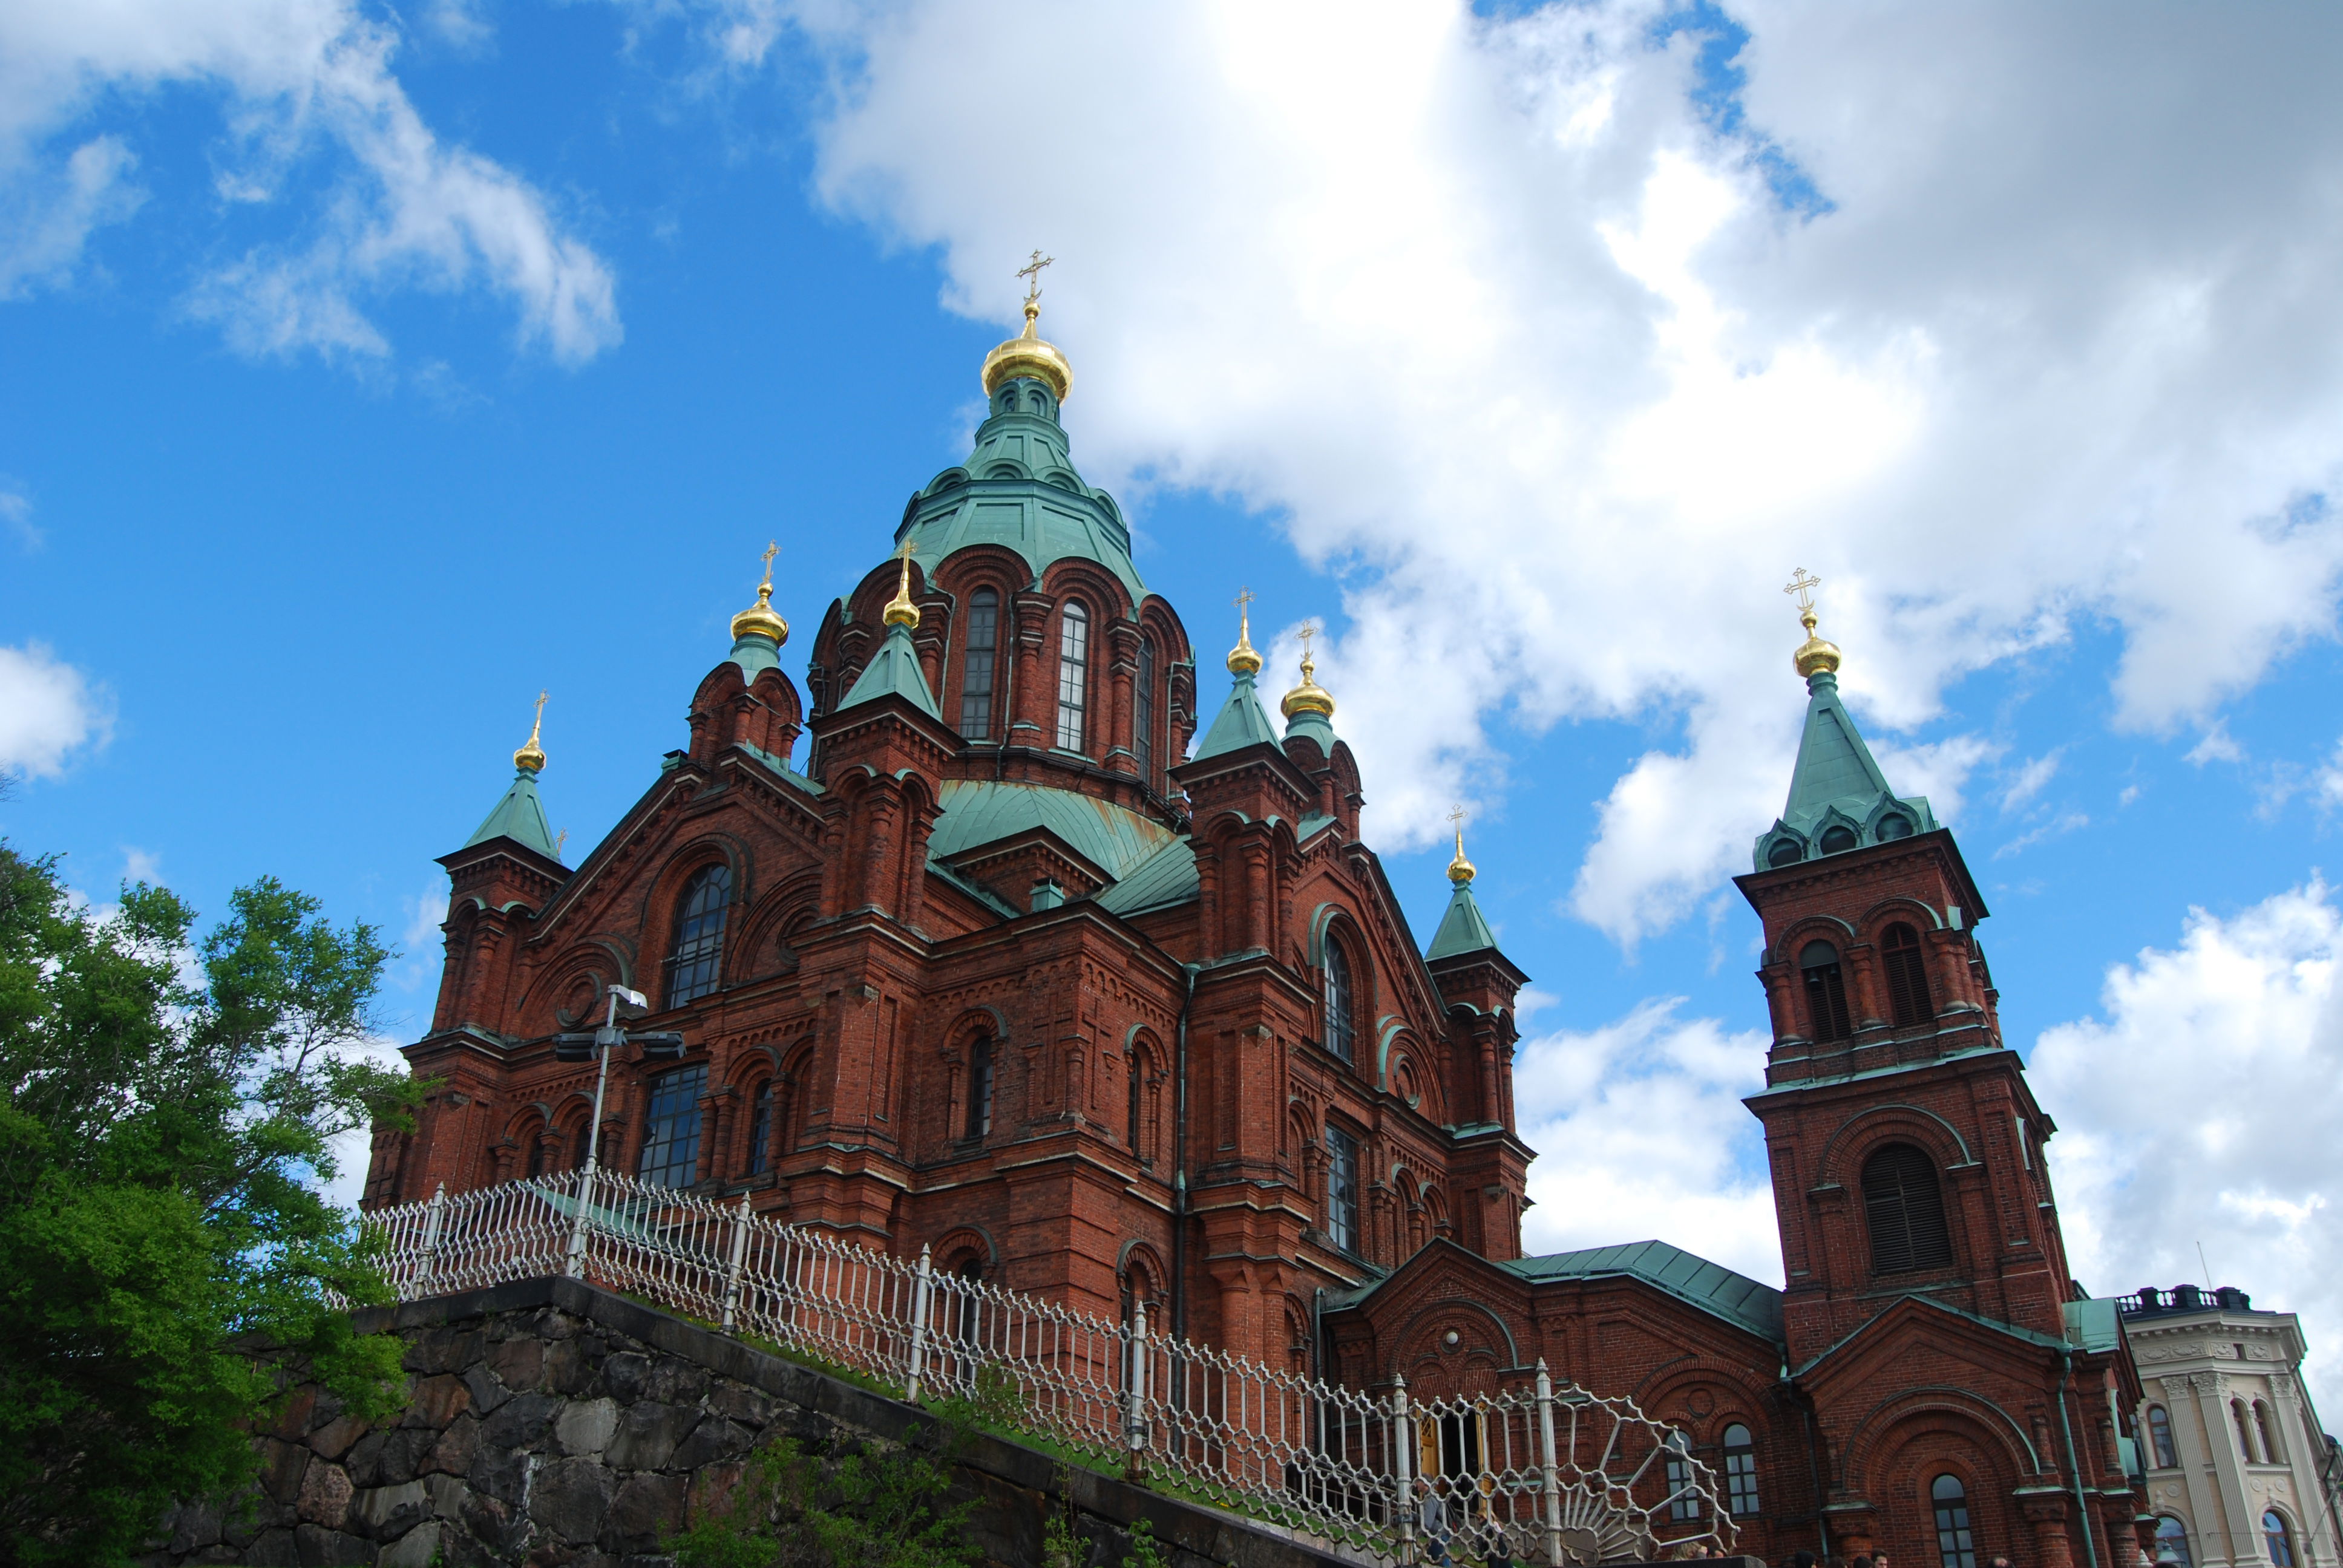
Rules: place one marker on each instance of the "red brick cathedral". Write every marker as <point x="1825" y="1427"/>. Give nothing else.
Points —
<point x="1019" y="968"/>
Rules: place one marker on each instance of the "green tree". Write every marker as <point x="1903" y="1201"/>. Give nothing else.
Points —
<point x="167" y="1126"/>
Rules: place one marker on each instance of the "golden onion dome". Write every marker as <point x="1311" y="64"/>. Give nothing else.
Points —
<point x="1814" y="656"/>
<point x="1244" y="658"/>
<point x="1309" y="697"/>
<point x="530" y="758"/>
<point x="900" y="611"/>
<point x="761" y="619"/>
<point x="1029" y="354"/>
<point x="1460" y="870"/>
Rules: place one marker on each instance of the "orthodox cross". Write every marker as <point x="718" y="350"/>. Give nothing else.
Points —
<point x="1244" y="615"/>
<point x="1308" y="630"/>
<point x="1032" y="270"/>
<point x="539" y="722"/>
<point x="772" y="550"/>
<point x="1804" y="586"/>
<point x="559" y="839"/>
<point x="1456" y="815"/>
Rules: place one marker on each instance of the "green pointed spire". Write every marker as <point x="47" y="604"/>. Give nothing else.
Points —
<point x="895" y="668"/>
<point x="1463" y="929"/>
<point x="520" y="816"/>
<point x="1240" y="722"/>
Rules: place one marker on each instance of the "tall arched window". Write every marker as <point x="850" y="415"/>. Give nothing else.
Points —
<point x="1826" y="991"/>
<point x="2172" y="1542"/>
<point x="980" y="1087"/>
<point x="2268" y="1435"/>
<point x="1142" y="711"/>
<point x="1341" y="1023"/>
<point x="1956" y="1547"/>
<point x="2159" y="1438"/>
<point x="1905" y="1211"/>
<point x="2245" y="1432"/>
<point x="1907" y="976"/>
<point x="1342" y="1190"/>
<point x="695" y="960"/>
<point x="1683" y="1497"/>
<point x="2278" y="1538"/>
<point x="1740" y="1470"/>
<point x="760" y="1129"/>
<point x="538" y="1138"/>
<point x="1074" y="674"/>
<point x="976" y="664"/>
<point x="671" y="1128"/>
<point x="1133" y="1070"/>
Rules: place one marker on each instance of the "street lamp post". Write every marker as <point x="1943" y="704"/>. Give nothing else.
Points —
<point x="659" y="1045"/>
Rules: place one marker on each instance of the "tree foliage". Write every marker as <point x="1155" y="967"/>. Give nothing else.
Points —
<point x="868" y="1509"/>
<point x="168" y="1125"/>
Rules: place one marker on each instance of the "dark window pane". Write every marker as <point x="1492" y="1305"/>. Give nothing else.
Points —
<point x="1826" y="1014"/>
<point x="1905" y="1211"/>
<point x="1740" y="1470"/>
<point x="1341" y="1027"/>
<point x="1143" y="712"/>
<point x="980" y="1090"/>
<point x="1073" y="675"/>
<point x="1684" y="1501"/>
<point x="671" y="1129"/>
<point x="1907" y="977"/>
<point x="760" y="1131"/>
<point x="696" y="960"/>
<point x="1956" y="1547"/>
<point x="1342" y="1190"/>
<point x="975" y="665"/>
<point x="2172" y="1542"/>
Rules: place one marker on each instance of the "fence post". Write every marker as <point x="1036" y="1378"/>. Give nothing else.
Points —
<point x="923" y="1292"/>
<point x="431" y="1224"/>
<point x="1548" y="1467"/>
<point x="576" y="1265"/>
<point x="732" y="1273"/>
<point x="1403" y="1458"/>
<point x="1134" y="1395"/>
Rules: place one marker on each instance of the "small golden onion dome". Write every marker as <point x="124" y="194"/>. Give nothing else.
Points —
<point x="1814" y="656"/>
<point x="1028" y="354"/>
<point x="761" y="619"/>
<point x="1460" y="870"/>
<point x="900" y="611"/>
<point x="1309" y="697"/>
<point x="1244" y="658"/>
<point x="530" y="758"/>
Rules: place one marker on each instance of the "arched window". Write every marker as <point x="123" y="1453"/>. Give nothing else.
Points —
<point x="2278" y="1538"/>
<point x="1683" y="1497"/>
<point x="2172" y="1542"/>
<point x="1786" y="853"/>
<point x="1740" y="1472"/>
<point x="980" y="1087"/>
<point x="1956" y="1547"/>
<point x="581" y="1142"/>
<point x="695" y="960"/>
<point x="2267" y="1434"/>
<point x="1142" y="711"/>
<point x="1907" y="976"/>
<point x="1837" y="838"/>
<point x="1826" y="991"/>
<point x="1074" y="674"/>
<point x="1342" y="1190"/>
<point x="2245" y="1432"/>
<point x="976" y="664"/>
<point x="1132" y="1070"/>
<point x="671" y="1128"/>
<point x="538" y="1138"/>
<point x="1905" y="1211"/>
<point x="1893" y="826"/>
<point x="1341" y="1023"/>
<point x="2159" y="1437"/>
<point x="760" y="1129"/>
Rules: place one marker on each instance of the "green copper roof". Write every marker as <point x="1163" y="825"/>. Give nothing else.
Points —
<point x="980" y="812"/>
<point x="520" y="816"/>
<point x="1313" y="724"/>
<point x="1241" y="723"/>
<point x="1837" y="785"/>
<point x="1019" y="490"/>
<point x="1165" y="878"/>
<point x="895" y="668"/>
<point x="1713" y="1288"/>
<point x="754" y="654"/>
<point x="1462" y="929"/>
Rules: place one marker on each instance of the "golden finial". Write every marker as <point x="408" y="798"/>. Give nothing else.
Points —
<point x="1814" y="656"/>
<point x="1460" y="870"/>
<point x="761" y="619"/>
<point x="1243" y="658"/>
<point x="900" y="611"/>
<point x="1309" y="697"/>
<point x="530" y="758"/>
<point x="1027" y="354"/>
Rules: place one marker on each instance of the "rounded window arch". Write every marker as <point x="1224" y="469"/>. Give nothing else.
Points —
<point x="2266" y="1430"/>
<point x="1786" y="853"/>
<point x="1893" y="826"/>
<point x="764" y="1126"/>
<point x="1825" y="989"/>
<point x="2245" y="1430"/>
<point x="695" y="958"/>
<point x="1903" y="1209"/>
<point x="1341" y="1002"/>
<point x="2159" y="1438"/>
<point x="2172" y="1542"/>
<point x="1073" y="675"/>
<point x="1684" y="1496"/>
<point x="1741" y="1471"/>
<point x="1955" y="1544"/>
<point x="979" y="664"/>
<point x="2278" y="1537"/>
<point x="1837" y="838"/>
<point x="1907" y="976"/>
<point x="980" y="1087"/>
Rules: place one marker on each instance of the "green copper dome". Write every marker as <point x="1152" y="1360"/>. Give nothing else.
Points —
<point x="1839" y="800"/>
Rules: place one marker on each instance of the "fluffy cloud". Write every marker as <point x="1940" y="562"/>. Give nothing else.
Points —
<point x="1645" y="1136"/>
<point x="293" y="77"/>
<point x="48" y="710"/>
<point x="2201" y="1108"/>
<point x="1511" y="322"/>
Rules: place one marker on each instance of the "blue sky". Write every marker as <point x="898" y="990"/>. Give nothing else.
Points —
<point x="1530" y="353"/>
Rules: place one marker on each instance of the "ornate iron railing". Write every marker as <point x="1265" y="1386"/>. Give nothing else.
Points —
<point x="1546" y="1473"/>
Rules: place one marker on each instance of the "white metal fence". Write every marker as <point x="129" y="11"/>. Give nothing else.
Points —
<point x="1541" y="1471"/>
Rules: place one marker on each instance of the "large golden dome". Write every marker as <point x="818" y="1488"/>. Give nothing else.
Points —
<point x="1029" y="354"/>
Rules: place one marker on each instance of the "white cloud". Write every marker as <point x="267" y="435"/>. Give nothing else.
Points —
<point x="2218" y="746"/>
<point x="1488" y="315"/>
<point x="2037" y="772"/>
<point x="2202" y="1107"/>
<point x="16" y="511"/>
<point x="352" y="1149"/>
<point x="294" y="76"/>
<point x="1647" y="1138"/>
<point x="141" y="864"/>
<point x="48" y="710"/>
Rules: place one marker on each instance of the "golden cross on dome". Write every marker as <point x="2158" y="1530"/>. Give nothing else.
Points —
<point x="1804" y="586"/>
<point x="539" y="723"/>
<point x="559" y="839"/>
<point x="1456" y="815"/>
<point x="1308" y="630"/>
<point x="1032" y="270"/>
<point x="1244" y="596"/>
<point x="772" y="548"/>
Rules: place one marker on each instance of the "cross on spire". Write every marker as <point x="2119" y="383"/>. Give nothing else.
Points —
<point x="772" y="548"/>
<point x="1309" y="629"/>
<point x="1803" y="587"/>
<point x="1032" y="271"/>
<point x="539" y="723"/>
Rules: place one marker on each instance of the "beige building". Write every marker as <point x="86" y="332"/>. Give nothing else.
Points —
<point x="2240" y="1474"/>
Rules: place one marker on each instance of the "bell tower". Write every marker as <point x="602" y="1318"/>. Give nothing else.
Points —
<point x="1905" y="1144"/>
